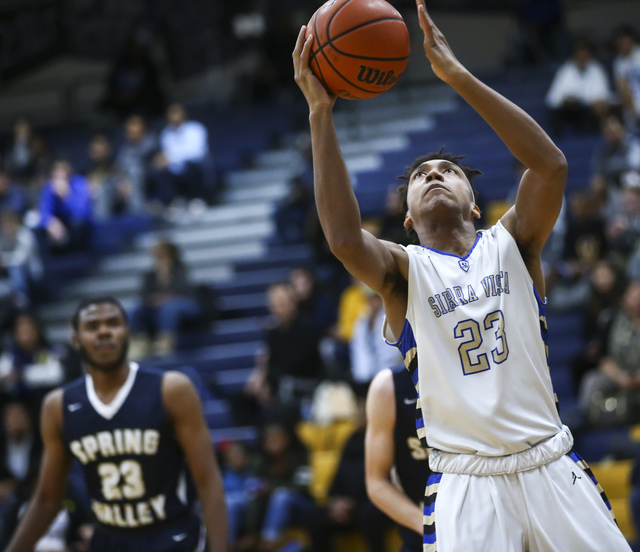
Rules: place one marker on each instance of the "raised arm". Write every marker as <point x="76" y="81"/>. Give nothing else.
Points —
<point x="372" y="261"/>
<point x="185" y="409"/>
<point x="541" y="189"/>
<point x="379" y="455"/>
<point x="52" y="482"/>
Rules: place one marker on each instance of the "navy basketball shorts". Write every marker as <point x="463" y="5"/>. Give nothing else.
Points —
<point x="184" y="536"/>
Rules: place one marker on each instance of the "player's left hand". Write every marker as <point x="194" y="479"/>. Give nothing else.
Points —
<point x="443" y="61"/>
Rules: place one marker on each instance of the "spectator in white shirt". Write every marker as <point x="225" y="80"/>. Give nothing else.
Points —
<point x="177" y="169"/>
<point x="579" y="95"/>
<point x="369" y="353"/>
<point x="626" y="70"/>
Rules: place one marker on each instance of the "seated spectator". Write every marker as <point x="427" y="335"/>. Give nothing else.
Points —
<point x="178" y="168"/>
<point x="12" y="196"/>
<point x="65" y="209"/>
<point x="31" y="366"/>
<point x="619" y="152"/>
<point x="40" y="170"/>
<point x="20" y="451"/>
<point x="293" y="212"/>
<point x="19" y="256"/>
<point x="595" y="296"/>
<point x="584" y="241"/>
<point x="167" y="300"/>
<point x="619" y="368"/>
<point x="313" y="302"/>
<point x="626" y="70"/>
<point x="133" y="85"/>
<point x="133" y="161"/>
<point x="369" y="353"/>
<point x="280" y="497"/>
<point x="349" y="506"/>
<point x="238" y="485"/>
<point x="623" y="227"/>
<point x="19" y="158"/>
<point x="352" y="304"/>
<point x="289" y="369"/>
<point x="392" y="221"/>
<point x="579" y="95"/>
<point x="107" y="197"/>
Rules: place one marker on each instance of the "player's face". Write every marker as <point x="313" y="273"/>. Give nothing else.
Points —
<point x="438" y="183"/>
<point x="102" y="337"/>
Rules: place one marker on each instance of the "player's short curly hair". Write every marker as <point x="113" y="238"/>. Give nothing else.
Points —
<point x="405" y="177"/>
<point x="75" y="320"/>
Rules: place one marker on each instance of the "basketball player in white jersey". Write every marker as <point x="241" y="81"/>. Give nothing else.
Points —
<point x="466" y="310"/>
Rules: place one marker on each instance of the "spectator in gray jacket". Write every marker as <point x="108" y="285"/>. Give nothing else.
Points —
<point x="19" y="256"/>
<point x="133" y="160"/>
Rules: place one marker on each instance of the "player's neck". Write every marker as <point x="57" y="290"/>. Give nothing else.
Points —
<point x="457" y="240"/>
<point x="108" y="383"/>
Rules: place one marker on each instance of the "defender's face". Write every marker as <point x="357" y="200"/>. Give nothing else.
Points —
<point x="438" y="183"/>
<point x="102" y="337"/>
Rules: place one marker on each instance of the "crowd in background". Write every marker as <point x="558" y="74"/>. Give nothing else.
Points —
<point x="323" y="329"/>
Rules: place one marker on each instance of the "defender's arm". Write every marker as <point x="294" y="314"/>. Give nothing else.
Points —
<point x="183" y="405"/>
<point x="52" y="481"/>
<point x="379" y="455"/>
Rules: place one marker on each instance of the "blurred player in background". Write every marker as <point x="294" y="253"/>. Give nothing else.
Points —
<point x="136" y="433"/>
<point x="465" y="308"/>
<point x="396" y="462"/>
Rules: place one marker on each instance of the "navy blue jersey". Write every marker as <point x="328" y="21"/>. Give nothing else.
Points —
<point x="411" y="459"/>
<point x="133" y="466"/>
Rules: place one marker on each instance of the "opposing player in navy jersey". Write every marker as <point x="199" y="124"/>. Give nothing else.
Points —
<point x="466" y="309"/>
<point x="396" y="462"/>
<point x="140" y="438"/>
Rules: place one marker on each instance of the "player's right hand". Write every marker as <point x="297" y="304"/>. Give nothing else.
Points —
<point x="315" y="94"/>
<point x="443" y="61"/>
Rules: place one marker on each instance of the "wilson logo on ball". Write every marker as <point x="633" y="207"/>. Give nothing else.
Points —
<point x="371" y="75"/>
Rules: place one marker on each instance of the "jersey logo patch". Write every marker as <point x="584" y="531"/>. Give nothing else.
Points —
<point x="180" y="537"/>
<point x="75" y="406"/>
<point x="464" y="265"/>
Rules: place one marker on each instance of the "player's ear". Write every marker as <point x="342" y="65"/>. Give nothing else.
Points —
<point x="475" y="211"/>
<point x="408" y="221"/>
<point x="75" y="341"/>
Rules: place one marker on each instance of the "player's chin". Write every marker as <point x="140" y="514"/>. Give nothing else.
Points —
<point x="108" y="358"/>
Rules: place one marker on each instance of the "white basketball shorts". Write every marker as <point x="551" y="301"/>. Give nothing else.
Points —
<point x="556" y="507"/>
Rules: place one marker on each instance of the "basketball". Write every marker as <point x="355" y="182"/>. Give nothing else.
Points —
<point x="360" y="47"/>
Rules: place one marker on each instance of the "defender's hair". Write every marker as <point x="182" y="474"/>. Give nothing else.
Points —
<point x="96" y="301"/>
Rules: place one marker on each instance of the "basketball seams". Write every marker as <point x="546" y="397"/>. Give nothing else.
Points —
<point x="313" y="58"/>
<point x="345" y="54"/>
<point x="330" y="41"/>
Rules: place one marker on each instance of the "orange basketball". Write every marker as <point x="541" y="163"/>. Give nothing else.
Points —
<point x="360" y="47"/>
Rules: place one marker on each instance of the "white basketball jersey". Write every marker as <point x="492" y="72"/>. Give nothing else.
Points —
<point x="476" y="329"/>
